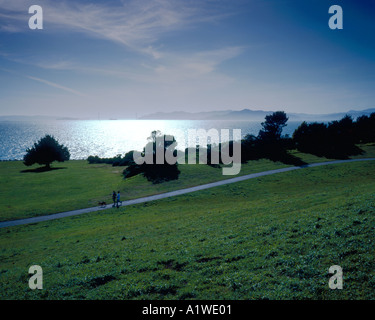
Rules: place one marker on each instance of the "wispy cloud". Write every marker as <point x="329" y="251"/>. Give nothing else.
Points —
<point x="55" y="85"/>
<point x="14" y="15"/>
<point x="195" y="68"/>
<point x="172" y="69"/>
<point x="49" y="83"/>
<point x="143" y="27"/>
<point x="135" y="24"/>
<point x="138" y="25"/>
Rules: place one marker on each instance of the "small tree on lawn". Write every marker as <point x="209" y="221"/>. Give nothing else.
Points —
<point x="46" y="151"/>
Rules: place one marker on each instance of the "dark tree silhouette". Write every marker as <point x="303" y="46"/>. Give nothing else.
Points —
<point x="365" y="129"/>
<point x="46" y="151"/>
<point x="250" y="148"/>
<point x="159" y="170"/>
<point x="273" y="127"/>
<point x="334" y="140"/>
<point x="270" y="144"/>
<point x="117" y="161"/>
<point x="312" y="138"/>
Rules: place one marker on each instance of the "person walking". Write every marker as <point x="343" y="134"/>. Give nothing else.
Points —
<point x="114" y="197"/>
<point x="118" y="198"/>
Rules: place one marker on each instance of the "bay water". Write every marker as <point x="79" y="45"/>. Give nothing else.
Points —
<point x="108" y="138"/>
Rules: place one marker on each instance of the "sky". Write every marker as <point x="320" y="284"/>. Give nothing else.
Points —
<point x="129" y="58"/>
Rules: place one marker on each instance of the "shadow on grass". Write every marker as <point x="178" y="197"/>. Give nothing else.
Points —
<point x="42" y="169"/>
<point x="337" y="152"/>
<point x="286" y="158"/>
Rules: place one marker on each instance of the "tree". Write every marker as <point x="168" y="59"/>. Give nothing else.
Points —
<point x="158" y="147"/>
<point x="333" y="140"/>
<point x="158" y="170"/>
<point x="364" y="129"/>
<point x="270" y="144"/>
<point x="250" y="148"/>
<point x="46" y="151"/>
<point x="273" y="127"/>
<point x="312" y="138"/>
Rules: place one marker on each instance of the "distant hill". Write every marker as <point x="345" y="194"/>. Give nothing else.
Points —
<point x="181" y="115"/>
<point x="247" y="114"/>
<point x="24" y="118"/>
<point x="34" y="118"/>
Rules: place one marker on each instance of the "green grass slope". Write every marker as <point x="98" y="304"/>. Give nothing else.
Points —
<point x="77" y="184"/>
<point x="274" y="237"/>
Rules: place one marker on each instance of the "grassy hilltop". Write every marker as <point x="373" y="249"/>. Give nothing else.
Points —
<point x="272" y="237"/>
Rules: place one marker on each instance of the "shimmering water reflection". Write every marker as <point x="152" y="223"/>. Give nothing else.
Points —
<point x="107" y="138"/>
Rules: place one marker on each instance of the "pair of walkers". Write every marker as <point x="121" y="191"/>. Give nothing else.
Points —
<point x="116" y="199"/>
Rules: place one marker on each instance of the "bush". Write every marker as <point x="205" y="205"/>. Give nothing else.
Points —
<point x="115" y="161"/>
<point x="96" y="159"/>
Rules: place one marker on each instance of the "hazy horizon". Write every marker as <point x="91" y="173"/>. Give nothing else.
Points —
<point x="125" y="59"/>
<point x="310" y="116"/>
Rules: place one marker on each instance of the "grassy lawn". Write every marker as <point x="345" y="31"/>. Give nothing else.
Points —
<point x="272" y="237"/>
<point x="77" y="184"/>
<point x="73" y="185"/>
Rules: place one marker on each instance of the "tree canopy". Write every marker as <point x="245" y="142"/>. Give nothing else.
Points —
<point x="337" y="139"/>
<point x="158" y="169"/>
<point x="46" y="151"/>
<point x="273" y="126"/>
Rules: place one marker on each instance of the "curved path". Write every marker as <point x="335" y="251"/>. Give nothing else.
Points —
<point x="170" y="194"/>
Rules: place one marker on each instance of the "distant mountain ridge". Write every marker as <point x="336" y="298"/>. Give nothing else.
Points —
<point x="24" y="118"/>
<point x="35" y="118"/>
<point x="247" y="114"/>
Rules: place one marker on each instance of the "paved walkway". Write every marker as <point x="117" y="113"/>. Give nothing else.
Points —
<point x="170" y="194"/>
